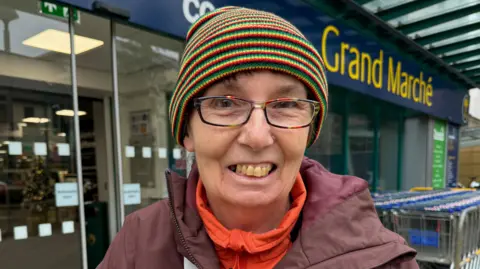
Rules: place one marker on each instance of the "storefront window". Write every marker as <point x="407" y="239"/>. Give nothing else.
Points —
<point x="328" y="149"/>
<point x="147" y="67"/>
<point x="37" y="149"/>
<point x="390" y="122"/>
<point x="360" y="148"/>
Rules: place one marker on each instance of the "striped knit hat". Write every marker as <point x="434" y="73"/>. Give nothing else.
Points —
<point x="234" y="39"/>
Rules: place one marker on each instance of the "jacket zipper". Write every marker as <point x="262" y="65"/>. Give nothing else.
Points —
<point x="175" y="221"/>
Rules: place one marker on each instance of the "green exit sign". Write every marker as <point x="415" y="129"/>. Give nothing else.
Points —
<point x="57" y="10"/>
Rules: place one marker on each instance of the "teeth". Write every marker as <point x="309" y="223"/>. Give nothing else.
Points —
<point x="257" y="172"/>
<point x="252" y="170"/>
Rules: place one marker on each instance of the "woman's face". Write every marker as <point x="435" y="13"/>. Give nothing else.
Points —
<point x="225" y="155"/>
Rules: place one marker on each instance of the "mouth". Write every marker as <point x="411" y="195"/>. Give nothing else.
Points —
<point x="251" y="170"/>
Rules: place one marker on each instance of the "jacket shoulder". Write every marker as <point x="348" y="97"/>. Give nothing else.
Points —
<point x="152" y="212"/>
<point x="146" y="240"/>
<point x="340" y="213"/>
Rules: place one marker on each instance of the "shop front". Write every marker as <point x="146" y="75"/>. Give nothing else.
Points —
<point x="84" y="132"/>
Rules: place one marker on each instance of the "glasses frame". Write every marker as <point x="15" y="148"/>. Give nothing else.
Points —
<point x="197" y="102"/>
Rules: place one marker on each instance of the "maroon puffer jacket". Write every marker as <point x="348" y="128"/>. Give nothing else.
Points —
<point x="338" y="228"/>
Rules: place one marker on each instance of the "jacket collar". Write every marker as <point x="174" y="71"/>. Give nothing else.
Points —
<point x="339" y="224"/>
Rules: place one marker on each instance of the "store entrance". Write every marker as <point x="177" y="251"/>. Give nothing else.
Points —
<point x="39" y="208"/>
<point x="64" y="191"/>
<point x="57" y="196"/>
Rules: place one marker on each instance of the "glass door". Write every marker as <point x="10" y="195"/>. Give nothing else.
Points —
<point x="40" y="206"/>
<point x="146" y="69"/>
<point x="95" y="89"/>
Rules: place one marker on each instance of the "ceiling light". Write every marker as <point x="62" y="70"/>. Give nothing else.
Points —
<point x="22" y="124"/>
<point x="62" y="134"/>
<point x="69" y="113"/>
<point x="3" y="152"/>
<point x="59" y="41"/>
<point x="35" y="120"/>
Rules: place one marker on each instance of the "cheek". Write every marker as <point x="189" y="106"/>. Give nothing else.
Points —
<point x="293" y="143"/>
<point x="210" y="142"/>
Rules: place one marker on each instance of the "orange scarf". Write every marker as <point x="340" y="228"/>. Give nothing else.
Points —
<point x="238" y="249"/>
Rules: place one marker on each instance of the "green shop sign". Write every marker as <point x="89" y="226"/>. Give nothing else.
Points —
<point x="438" y="160"/>
<point x="57" y="10"/>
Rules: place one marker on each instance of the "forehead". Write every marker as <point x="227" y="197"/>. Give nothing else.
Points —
<point x="259" y="84"/>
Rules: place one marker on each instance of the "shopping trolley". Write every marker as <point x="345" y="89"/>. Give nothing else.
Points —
<point x="444" y="231"/>
<point x="385" y="203"/>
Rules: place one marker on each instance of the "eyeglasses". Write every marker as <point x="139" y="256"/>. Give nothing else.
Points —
<point x="230" y="111"/>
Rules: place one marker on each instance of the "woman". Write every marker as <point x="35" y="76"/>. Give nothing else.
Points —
<point x="250" y="97"/>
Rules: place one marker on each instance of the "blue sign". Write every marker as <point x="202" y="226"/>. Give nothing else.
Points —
<point x="353" y="60"/>
<point x="453" y="143"/>
<point x="423" y="238"/>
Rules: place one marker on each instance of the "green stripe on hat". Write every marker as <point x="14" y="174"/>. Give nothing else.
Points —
<point x="233" y="39"/>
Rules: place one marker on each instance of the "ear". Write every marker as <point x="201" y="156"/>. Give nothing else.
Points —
<point x="188" y="143"/>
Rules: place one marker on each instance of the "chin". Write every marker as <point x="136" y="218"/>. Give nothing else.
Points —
<point x="248" y="199"/>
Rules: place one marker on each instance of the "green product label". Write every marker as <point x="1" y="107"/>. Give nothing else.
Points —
<point x="438" y="160"/>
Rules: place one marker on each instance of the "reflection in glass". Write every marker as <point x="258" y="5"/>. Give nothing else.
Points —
<point x="328" y="148"/>
<point x="147" y="67"/>
<point x="390" y="122"/>
<point x="37" y="149"/>
<point x="360" y="147"/>
<point x="94" y="77"/>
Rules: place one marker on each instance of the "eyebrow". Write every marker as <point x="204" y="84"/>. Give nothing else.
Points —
<point x="233" y="87"/>
<point x="290" y="89"/>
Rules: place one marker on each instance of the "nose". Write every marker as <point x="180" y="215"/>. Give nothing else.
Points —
<point x="256" y="133"/>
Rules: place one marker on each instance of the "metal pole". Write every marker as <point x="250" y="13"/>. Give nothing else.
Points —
<point x="376" y="147"/>
<point x="458" y="248"/>
<point x="78" y="151"/>
<point x="116" y="115"/>
<point x="400" y="137"/>
<point x="6" y="36"/>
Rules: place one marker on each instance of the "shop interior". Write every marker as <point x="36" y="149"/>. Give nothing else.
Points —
<point x="38" y="149"/>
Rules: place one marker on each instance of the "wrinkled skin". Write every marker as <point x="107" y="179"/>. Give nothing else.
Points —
<point x="216" y="148"/>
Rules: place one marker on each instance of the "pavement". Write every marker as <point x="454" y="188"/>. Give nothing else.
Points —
<point x="58" y="251"/>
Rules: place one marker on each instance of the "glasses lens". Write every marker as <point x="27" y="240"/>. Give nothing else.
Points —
<point x="290" y="113"/>
<point x="224" y="111"/>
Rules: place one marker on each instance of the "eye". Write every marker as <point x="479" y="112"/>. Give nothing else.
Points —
<point x="222" y="103"/>
<point x="285" y="104"/>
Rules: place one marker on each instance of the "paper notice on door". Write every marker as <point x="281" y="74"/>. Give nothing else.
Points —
<point x="147" y="152"/>
<point x="66" y="194"/>
<point x="132" y="194"/>
<point x="162" y="153"/>
<point x="15" y="148"/>
<point x="20" y="232"/>
<point x="129" y="151"/>
<point x="40" y="148"/>
<point x="63" y="149"/>
<point x="68" y="227"/>
<point x="44" y="229"/>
